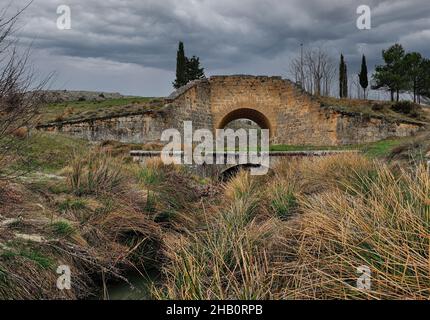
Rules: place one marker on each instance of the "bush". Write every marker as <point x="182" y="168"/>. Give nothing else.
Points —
<point x="377" y="107"/>
<point x="406" y="107"/>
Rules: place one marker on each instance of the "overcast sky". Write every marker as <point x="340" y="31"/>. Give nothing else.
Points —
<point x="130" y="45"/>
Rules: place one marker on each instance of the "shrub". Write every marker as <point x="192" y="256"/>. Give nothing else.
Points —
<point x="377" y="107"/>
<point x="406" y="107"/>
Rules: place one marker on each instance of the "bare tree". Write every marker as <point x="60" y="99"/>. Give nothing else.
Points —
<point x="355" y="91"/>
<point x="20" y="97"/>
<point x="315" y="71"/>
<point x="329" y="74"/>
<point x="296" y="69"/>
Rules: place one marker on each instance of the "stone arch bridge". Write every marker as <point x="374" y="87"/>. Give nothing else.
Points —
<point x="292" y="116"/>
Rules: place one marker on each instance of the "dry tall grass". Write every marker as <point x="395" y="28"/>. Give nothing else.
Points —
<point x="299" y="233"/>
<point x="96" y="173"/>
<point x="97" y="224"/>
<point x="380" y="220"/>
<point x="303" y="233"/>
<point x="225" y="257"/>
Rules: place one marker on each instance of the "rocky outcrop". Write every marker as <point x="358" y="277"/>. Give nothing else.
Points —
<point x="58" y="96"/>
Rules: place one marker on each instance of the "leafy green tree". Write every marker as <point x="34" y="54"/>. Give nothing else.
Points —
<point x="391" y="76"/>
<point x="412" y="67"/>
<point x="423" y="81"/>
<point x="181" y="67"/>
<point x="364" y="81"/>
<point x="194" y="71"/>
<point x="186" y="69"/>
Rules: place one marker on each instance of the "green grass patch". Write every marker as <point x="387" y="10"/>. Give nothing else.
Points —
<point x="72" y="204"/>
<point x="39" y="183"/>
<point x="62" y="228"/>
<point x="47" y="152"/>
<point x="283" y="204"/>
<point x="151" y="202"/>
<point x="381" y="148"/>
<point x="283" y="147"/>
<point x="71" y="109"/>
<point x="373" y="150"/>
<point x="31" y="254"/>
<point x="150" y="176"/>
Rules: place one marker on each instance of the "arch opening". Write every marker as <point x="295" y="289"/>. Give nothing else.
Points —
<point x="231" y="172"/>
<point x="244" y="113"/>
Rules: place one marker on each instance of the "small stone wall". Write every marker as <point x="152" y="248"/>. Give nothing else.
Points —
<point x="362" y="129"/>
<point x="128" y="129"/>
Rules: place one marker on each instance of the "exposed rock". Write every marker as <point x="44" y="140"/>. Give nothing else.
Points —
<point x="58" y="96"/>
<point x="30" y="237"/>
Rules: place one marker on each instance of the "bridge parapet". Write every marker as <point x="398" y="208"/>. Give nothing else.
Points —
<point x="218" y="170"/>
<point x="137" y="154"/>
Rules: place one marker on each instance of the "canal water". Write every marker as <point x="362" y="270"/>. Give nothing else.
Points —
<point x="138" y="288"/>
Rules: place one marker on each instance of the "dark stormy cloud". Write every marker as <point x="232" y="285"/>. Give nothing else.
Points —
<point x="130" y="45"/>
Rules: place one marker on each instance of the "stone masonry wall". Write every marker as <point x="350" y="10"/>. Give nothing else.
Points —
<point x="360" y="129"/>
<point x="193" y="105"/>
<point x="128" y="129"/>
<point x="293" y="116"/>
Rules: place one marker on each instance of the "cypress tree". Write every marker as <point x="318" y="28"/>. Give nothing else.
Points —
<point x="342" y="71"/>
<point x="194" y="71"/>
<point x="345" y="81"/>
<point x="181" y="67"/>
<point x="364" y="81"/>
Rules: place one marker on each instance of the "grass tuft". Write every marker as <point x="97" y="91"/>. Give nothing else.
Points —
<point x="62" y="228"/>
<point x="96" y="174"/>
